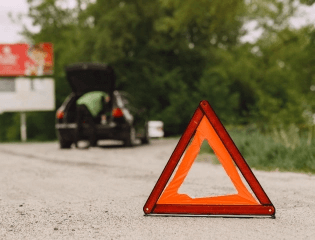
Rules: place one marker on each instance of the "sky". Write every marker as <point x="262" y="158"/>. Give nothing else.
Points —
<point x="9" y="31"/>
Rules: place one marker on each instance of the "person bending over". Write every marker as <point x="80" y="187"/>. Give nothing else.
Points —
<point x="89" y="106"/>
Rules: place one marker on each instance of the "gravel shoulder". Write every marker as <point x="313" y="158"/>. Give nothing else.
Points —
<point x="99" y="193"/>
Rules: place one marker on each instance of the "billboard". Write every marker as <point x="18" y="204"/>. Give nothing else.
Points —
<point x="26" y="94"/>
<point x="26" y="59"/>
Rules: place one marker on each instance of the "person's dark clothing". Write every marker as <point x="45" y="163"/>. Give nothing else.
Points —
<point x="89" y="107"/>
<point x="84" y="116"/>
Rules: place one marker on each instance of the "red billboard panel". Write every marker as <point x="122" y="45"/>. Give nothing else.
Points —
<point x="26" y="60"/>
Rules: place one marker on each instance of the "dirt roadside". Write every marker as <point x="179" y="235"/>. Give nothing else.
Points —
<point x="48" y="193"/>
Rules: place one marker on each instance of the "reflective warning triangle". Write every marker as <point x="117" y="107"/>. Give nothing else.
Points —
<point x="205" y="125"/>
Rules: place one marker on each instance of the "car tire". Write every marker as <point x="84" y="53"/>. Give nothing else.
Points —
<point x="64" y="144"/>
<point x="131" y="137"/>
<point x="146" y="138"/>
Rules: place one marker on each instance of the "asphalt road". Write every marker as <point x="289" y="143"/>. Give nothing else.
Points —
<point x="99" y="193"/>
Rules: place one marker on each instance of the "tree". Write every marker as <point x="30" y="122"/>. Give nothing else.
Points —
<point x="172" y="54"/>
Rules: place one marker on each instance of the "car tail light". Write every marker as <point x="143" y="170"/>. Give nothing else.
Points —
<point x="60" y="114"/>
<point x="117" y="113"/>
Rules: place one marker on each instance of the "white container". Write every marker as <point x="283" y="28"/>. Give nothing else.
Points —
<point x="156" y="129"/>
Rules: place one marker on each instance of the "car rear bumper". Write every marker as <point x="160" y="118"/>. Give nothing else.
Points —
<point x="67" y="131"/>
<point x="66" y="126"/>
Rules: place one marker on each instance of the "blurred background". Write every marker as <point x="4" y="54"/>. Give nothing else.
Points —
<point x="253" y="60"/>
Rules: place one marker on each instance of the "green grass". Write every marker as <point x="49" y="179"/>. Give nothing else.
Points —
<point x="277" y="151"/>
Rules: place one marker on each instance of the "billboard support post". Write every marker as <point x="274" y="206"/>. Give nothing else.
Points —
<point x="23" y="126"/>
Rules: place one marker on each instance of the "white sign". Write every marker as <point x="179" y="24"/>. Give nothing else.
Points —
<point x="25" y="94"/>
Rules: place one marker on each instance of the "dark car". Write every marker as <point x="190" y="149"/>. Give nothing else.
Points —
<point x="123" y="122"/>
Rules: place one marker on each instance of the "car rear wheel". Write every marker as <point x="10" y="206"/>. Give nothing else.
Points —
<point x="64" y="144"/>
<point x="146" y="138"/>
<point x="131" y="137"/>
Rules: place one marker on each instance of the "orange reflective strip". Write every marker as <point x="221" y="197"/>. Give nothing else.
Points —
<point x="206" y="131"/>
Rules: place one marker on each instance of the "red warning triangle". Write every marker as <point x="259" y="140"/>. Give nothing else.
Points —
<point x="205" y="125"/>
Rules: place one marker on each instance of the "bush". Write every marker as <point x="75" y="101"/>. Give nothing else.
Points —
<point x="283" y="149"/>
<point x="279" y="150"/>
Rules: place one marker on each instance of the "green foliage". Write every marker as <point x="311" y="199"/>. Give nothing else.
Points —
<point x="10" y="127"/>
<point x="39" y="125"/>
<point x="283" y="150"/>
<point x="307" y="2"/>
<point x="171" y="54"/>
<point x="284" y="94"/>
